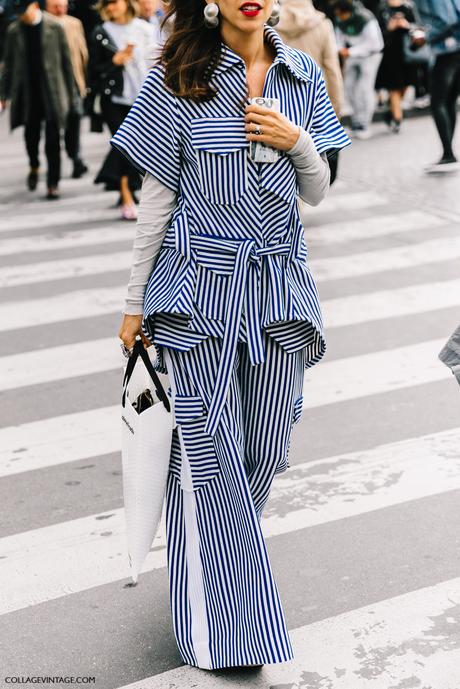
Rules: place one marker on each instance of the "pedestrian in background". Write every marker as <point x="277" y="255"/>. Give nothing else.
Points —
<point x="148" y="12"/>
<point x="303" y="27"/>
<point x="441" y="19"/>
<point x="122" y="50"/>
<point x="397" y="17"/>
<point x="360" y="44"/>
<point x="220" y="283"/>
<point x="75" y="35"/>
<point x="38" y="80"/>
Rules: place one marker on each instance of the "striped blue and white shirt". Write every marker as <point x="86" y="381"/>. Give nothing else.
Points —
<point x="233" y="262"/>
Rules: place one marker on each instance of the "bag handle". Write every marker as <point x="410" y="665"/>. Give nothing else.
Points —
<point x="139" y="350"/>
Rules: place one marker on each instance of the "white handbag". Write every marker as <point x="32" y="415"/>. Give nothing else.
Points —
<point x="147" y="422"/>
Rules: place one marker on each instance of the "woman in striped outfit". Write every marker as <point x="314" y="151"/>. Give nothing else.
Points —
<point x="220" y="285"/>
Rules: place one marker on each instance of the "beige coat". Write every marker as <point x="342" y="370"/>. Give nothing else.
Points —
<point x="75" y="35"/>
<point x="301" y="26"/>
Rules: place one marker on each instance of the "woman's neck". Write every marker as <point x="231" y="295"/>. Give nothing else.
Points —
<point x="250" y="47"/>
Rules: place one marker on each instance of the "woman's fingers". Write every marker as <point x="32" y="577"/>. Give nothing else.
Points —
<point x="260" y="118"/>
<point x="131" y="326"/>
<point x="146" y="341"/>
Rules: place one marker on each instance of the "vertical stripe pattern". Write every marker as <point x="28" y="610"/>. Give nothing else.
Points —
<point x="234" y="313"/>
<point x="226" y="607"/>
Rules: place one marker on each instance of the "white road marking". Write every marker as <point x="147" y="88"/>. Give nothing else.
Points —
<point x="67" y="240"/>
<point x="323" y="269"/>
<point x="59" y="440"/>
<point x="85" y="303"/>
<point x="351" y="201"/>
<point x="354" y="483"/>
<point x="369" y="262"/>
<point x="359" y="308"/>
<point x="61" y="217"/>
<point x="371" y="374"/>
<point x="374" y="226"/>
<point x="59" y="363"/>
<point x="53" y="561"/>
<point x="406" y="641"/>
<point x="403" y="301"/>
<point x="335" y="381"/>
<point x="30" y="273"/>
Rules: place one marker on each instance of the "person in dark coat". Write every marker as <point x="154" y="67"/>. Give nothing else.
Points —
<point x="121" y="51"/>
<point x="441" y="19"/>
<point x="38" y="81"/>
<point x="397" y="17"/>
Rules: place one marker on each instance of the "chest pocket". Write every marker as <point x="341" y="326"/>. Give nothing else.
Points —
<point x="222" y="155"/>
<point x="279" y="178"/>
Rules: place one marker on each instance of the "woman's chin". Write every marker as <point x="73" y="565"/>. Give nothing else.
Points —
<point x="247" y="25"/>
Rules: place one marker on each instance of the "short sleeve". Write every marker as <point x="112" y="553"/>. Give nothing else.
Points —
<point x="149" y="136"/>
<point x="325" y="129"/>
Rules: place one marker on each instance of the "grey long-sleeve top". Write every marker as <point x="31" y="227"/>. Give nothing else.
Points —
<point x="158" y="202"/>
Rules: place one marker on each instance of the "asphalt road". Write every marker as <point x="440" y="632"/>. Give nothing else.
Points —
<point x="362" y="530"/>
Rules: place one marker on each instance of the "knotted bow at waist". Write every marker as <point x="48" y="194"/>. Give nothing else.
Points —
<point x="242" y="260"/>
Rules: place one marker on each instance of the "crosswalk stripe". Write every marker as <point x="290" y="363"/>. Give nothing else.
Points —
<point x="61" y="307"/>
<point x="369" y="262"/>
<point x="46" y="563"/>
<point x="370" y="374"/>
<point x="368" y="228"/>
<point x="403" y="301"/>
<point x="30" y="273"/>
<point x="358" y="482"/>
<point x="323" y="269"/>
<point x="59" y="439"/>
<point x="329" y="381"/>
<point x="338" y="312"/>
<point x="61" y="218"/>
<point x="405" y="641"/>
<point x="59" y="363"/>
<point x="67" y="240"/>
<point x="352" y="201"/>
<point x="334" y="381"/>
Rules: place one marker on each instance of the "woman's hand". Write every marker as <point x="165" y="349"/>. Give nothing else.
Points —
<point x="398" y="22"/>
<point x="276" y="130"/>
<point x="130" y="327"/>
<point x="121" y="57"/>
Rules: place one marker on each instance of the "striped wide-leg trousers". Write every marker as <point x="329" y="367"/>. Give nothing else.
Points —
<point x="225" y="604"/>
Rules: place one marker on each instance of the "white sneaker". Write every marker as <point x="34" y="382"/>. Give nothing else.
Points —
<point x="129" y="211"/>
<point x="362" y="134"/>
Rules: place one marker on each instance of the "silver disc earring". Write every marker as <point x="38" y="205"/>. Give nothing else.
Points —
<point x="275" y="15"/>
<point x="211" y="15"/>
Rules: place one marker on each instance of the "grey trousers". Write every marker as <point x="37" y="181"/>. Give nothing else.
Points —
<point x="359" y="76"/>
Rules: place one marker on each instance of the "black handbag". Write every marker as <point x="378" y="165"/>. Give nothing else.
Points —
<point x="414" y="55"/>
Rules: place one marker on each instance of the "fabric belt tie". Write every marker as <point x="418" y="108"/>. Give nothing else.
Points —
<point x="244" y="292"/>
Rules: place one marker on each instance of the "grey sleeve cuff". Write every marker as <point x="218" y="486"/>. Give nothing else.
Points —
<point x="312" y="169"/>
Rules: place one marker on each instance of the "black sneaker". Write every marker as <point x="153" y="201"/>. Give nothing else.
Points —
<point x="32" y="179"/>
<point x="53" y="194"/>
<point x="79" y="169"/>
<point x="446" y="164"/>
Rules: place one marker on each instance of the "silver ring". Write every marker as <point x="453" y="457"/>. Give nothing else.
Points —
<point x="126" y="352"/>
<point x="258" y="130"/>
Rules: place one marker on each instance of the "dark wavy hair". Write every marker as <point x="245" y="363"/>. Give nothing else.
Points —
<point x="191" y="52"/>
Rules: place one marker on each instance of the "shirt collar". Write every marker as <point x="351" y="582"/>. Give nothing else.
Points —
<point x="284" y="56"/>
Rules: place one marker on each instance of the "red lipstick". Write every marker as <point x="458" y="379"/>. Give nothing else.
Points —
<point x="250" y="9"/>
